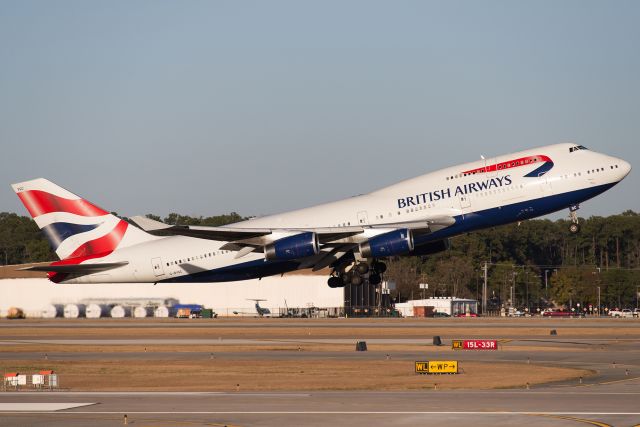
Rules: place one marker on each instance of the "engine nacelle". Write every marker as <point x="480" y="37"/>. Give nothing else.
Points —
<point x="293" y="247"/>
<point x="396" y="242"/>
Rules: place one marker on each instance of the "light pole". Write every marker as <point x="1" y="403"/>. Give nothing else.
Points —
<point x="484" y="290"/>
<point x="598" y="301"/>
<point x="546" y="282"/>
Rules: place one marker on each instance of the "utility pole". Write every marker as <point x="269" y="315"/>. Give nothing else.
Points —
<point x="546" y="284"/>
<point x="598" y="301"/>
<point x="485" y="270"/>
<point x="484" y="290"/>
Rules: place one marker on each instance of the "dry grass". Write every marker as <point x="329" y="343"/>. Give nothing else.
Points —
<point x="261" y="375"/>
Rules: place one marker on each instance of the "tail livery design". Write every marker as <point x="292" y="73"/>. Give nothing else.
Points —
<point x="76" y="229"/>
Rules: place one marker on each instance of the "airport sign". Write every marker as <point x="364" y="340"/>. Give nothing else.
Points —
<point x="437" y="367"/>
<point x="474" y="344"/>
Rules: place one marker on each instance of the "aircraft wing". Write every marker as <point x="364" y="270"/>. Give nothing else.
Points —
<point x="239" y="236"/>
<point x="334" y="241"/>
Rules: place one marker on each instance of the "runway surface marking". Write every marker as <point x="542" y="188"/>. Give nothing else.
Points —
<point x="40" y="407"/>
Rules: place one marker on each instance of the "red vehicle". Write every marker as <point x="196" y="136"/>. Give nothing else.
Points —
<point x="466" y="315"/>
<point x="549" y="313"/>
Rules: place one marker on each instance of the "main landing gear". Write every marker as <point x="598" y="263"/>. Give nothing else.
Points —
<point x="356" y="275"/>
<point x="574" y="227"/>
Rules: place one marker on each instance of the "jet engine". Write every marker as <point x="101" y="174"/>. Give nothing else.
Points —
<point x="293" y="247"/>
<point x="396" y="242"/>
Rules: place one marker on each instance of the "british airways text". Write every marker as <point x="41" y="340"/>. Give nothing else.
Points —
<point x="434" y="196"/>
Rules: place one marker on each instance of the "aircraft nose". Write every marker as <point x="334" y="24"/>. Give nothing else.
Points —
<point x="623" y="167"/>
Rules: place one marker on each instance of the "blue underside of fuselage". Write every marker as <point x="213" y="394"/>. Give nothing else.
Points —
<point x="464" y="223"/>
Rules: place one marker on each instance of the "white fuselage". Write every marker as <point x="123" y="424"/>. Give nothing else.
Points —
<point x="478" y="194"/>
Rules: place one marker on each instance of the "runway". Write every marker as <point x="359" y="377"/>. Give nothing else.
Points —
<point x="607" y="349"/>
<point x="604" y="405"/>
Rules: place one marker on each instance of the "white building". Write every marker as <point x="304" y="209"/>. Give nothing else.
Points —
<point x="33" y="294"/>
<point x="450" y="306"/>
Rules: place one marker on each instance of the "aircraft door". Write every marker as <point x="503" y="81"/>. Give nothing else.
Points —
<point x="465" y="204"/>
<point x="156" y="265"/>
<point x="363" y="219"/>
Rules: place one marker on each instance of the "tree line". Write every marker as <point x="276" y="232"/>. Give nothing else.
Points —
<point x="532" y="264"/>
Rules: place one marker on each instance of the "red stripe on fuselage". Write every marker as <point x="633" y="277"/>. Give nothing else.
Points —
<point x="40" y="202"/>
<point x="522" y="161"/>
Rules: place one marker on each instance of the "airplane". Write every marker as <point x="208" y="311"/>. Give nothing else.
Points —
<point x="351" y="237"/>
<point x="262" y="312"/>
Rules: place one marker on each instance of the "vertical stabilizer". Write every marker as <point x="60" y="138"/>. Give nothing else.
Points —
<point x="76" y="228"/>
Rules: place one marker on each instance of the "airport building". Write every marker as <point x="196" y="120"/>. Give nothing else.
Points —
<point x="429" y="306"/>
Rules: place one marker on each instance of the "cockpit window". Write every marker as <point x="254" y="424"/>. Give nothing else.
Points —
<point x="577" y="147"/>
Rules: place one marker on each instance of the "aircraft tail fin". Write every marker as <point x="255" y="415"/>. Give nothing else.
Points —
<point x="76" y="228"/>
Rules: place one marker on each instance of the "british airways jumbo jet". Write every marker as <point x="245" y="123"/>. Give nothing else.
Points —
<point x="415" y="217"/>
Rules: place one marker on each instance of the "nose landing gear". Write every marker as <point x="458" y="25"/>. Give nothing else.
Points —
<point x="574" y="227"/>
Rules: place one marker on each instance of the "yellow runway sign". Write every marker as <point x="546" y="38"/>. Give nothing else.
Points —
<point x="437" y="367"/>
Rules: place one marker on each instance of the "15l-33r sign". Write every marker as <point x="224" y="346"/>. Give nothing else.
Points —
<point x="474" y="344"/>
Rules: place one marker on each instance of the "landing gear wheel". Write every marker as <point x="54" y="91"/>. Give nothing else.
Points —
<point x="335" y="282"/>
<point x="574" y="228"/>
<point x="379" y="267"/>
<point x="346" y="279"/>
<point x="362" y="268"/>
<point x="375" y="279"/>
<point x="356" y="280"/>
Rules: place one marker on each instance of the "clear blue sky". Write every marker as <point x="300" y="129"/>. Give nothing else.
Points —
<point x="259" y="107"/>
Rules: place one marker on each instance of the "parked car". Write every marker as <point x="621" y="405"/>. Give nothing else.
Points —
<point x="621" y="313"/>
<point x="466" y="315"/>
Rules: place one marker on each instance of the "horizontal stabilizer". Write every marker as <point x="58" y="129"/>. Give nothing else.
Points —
<point x="76" y="268"/>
